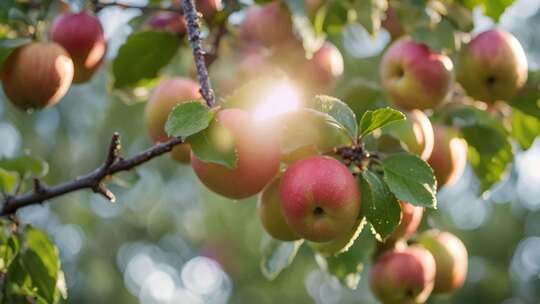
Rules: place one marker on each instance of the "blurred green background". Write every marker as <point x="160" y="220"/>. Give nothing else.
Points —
<point x="169" y="240"/>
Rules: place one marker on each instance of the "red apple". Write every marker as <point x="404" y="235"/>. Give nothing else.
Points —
<point x="449" y="155"/>
<point x="168" y="94"/>
<point x="415" y="76"/>
<point x="269" y="25"/>
<point x="450" y="259"/>
<point x="320" y="198"/>
<point x="403" y="276"/>
<point x="208" y="8"/>
<point x="257" y="147"/>
<point x="416" y="132"/>
<point x="37" y="75"/>
<point x="411" y="216"/>
<point x="492" y="66"/>
<point x="392" y="24"/>
<point x="324" y="68"/>
<point x="83" y="38"/>
<point x="167" y="21"/>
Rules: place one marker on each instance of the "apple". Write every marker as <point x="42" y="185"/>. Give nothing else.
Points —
<point x="450" y="259"/>
<point x="342" y="243"/>
<point x="449" y="155"/>
<point x="324" y="68"/>
<point x="82" y="36"/>
<point x="416" y="132"/>
<point x="492" y="66"/>
<point x="415" y="76"/>
<point x="411" y="216"/>
<point x="403" y="276"/>
<point x="320" y="198"/>
<point x="168" y="94"/>
<point x="167" y="21"/>
<point x="37" y="75"/>
<point x="392" y="24"/>
<point x="257" y="150"/>
<point x="208" y="8"/>
<point x="271" y="215"/>
<point x="269" y="25"/>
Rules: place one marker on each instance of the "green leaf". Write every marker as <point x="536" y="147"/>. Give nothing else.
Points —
<point x="142" y="56"/>
<point x="373" y="120"/>
<point x="339" y="110"/>
<point x="8" y="180"/>
<point x="458" y="15"/>
<point x="303" y="27"/>
<point x="277" y="256"/>
<point x="525" y="128"/>
<point x="188" y="118"/>
<point x="9" y="45"/>
<point x="528" y="99"/>
<point x="342" y="243"/>
<point x="439" y="37"/>
<point x="379" y="205"/>
<point x="215" y="144"/>
<point x="26" y="166"/>
<point x="466" y="116"/>
<point x="490" y="153"/>
<point x="370" y="13"/>
<point x="411" y="179"/>
<point x="492" y="8"/>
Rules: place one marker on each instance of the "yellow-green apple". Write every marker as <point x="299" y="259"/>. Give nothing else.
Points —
<point x="492" y="66"/>
<point x="167" y="21"/>
<point x="257" y="151"/>
<point x="403" y="276"/>
<point x="411" y="216"/>
<point x="270" y="214"/>
<point x="320" y="198"/>
<point x="449" y="155"/>
<point x="415" y="76"/>
<point x="450" y="259"/>
<point x="324" y="68"/>
<point x="168" y="94"/>
<point x="82" y="36"/>
<point x="416" y="132"/>
<point x="37" y="75"/>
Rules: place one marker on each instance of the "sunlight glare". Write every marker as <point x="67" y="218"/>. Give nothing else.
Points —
<point x="279" y="99"/>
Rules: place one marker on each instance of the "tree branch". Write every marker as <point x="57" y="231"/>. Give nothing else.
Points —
<point x="194" y="36"/>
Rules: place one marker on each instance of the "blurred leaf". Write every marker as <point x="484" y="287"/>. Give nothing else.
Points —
<point x="389" y="144"/>
<point x="362" y="95"/>
<point x="438" y="37"/>
<point x="370" y="13"/>
<point x="188" y="118"/>
<point x="528" y="99"/>
<point x="339" y="110"/>
<point x="8" y="45"/>
<point x="26" y="166"/>
<point x="334" y="15"/>
<point x="277" y="256"/>
<point x="303" y="27"/>
<point x="142" y="56"/>
<point x="9" y="248"/>
<point x="372" y="120"/>
<point x="458" y="15"/>
<point x="490" y="153"/>
<point x="525" y="128"/>
<point x="411" y="179"/>
<point x="8" y="180"/>
<point x="464" y="116"/>
<point x="492" y="8"/>
<point x="379" y="205"/>
<point x="215" y="144"/>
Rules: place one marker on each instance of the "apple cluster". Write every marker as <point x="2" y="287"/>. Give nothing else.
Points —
<point x="39" y="74"/>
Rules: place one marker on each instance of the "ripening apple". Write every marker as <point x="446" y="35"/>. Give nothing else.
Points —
<point x="411" y="216"/>
<point x="37" y="75"/>
<point x="449" y="155"/>
<point x="392" y="24"/>
<point x="324" y="68"/>
<point x="403" y="276"/>
<point x="83" y="38"/>
<point x="257" y="150"/>
<point x="208" y="8"/>
<point x="167" y="21"/>
<point x="269" y="25"/>
<point x="271" y="215"/>
<point x="416" y="132"/>
<point x="320" y="198"/>
<point x="450" y="259"/>
<point x="168" y="94"/>
<point x="492" y="66"/>
<point x="415" y="76"/>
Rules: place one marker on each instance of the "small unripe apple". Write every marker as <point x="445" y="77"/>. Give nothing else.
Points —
<point x="320" y="198"/>
<point x="403" y="276"/>
<point x="257" y="150"/>
<point x="450" y="259"/>
<point x="449" y="155"/>
<point x="269" y="25"/>
<point x="492" y="66"/>
<point x="271" y="215"/>
<point x="167" y="21"/>
<point x="37" y="75"/>
<point x="415" y="76"/>
<point x="411" y="216"/>
<point x="392" y="24"/>
<point x="416" y="132"/>
<point x="324" y="68"/>
<point x="83" y="38"/>
<point x="168" y="94"/>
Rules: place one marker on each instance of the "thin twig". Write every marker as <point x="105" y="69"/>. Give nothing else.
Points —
<point x="194" y="36"/>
